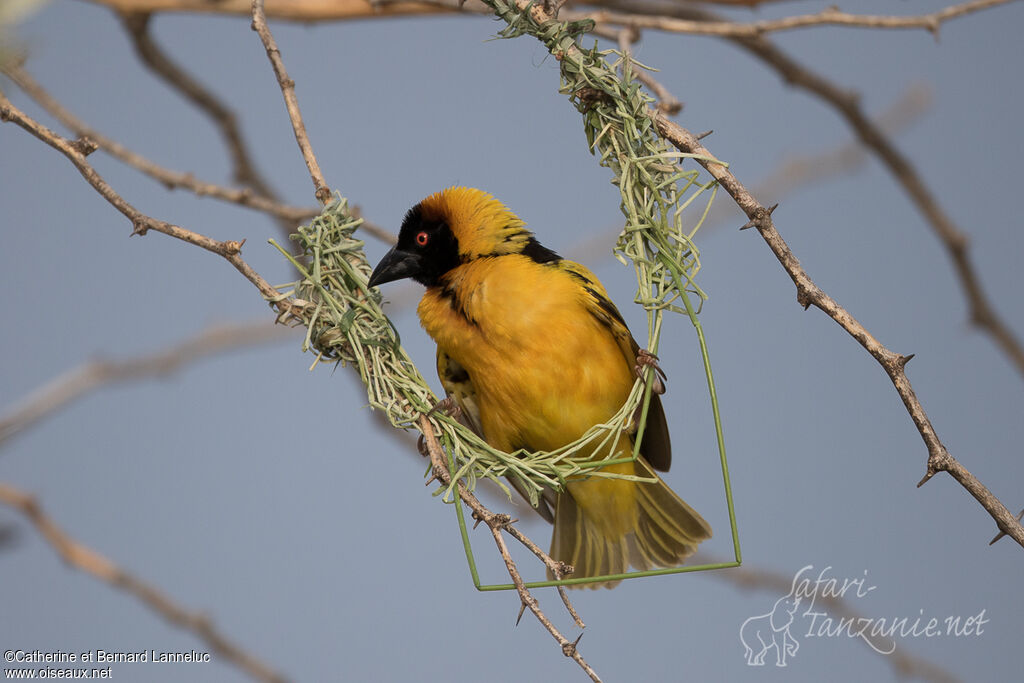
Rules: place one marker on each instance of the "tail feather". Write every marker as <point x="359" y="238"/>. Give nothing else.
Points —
<point x="660" y="529"/>
<point x="580" y="543"/>
<point x="657" y="548"/>
<point x="669" y="512"/>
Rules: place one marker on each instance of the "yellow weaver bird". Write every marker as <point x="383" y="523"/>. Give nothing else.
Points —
<point x="535" y="353"/>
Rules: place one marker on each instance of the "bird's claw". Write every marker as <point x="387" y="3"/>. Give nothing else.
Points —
<point x="645" y="359"/>
<point x="450" y="407"/>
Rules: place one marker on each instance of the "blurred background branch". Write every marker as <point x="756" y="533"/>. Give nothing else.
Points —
<point x="99" y="372"/>
<point x="85" y="559"/>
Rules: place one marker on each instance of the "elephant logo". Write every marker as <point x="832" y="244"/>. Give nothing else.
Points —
<point x="766" y="631"/>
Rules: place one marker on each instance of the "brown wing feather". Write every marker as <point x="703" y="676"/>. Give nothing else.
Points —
<point x="656" y="446"/>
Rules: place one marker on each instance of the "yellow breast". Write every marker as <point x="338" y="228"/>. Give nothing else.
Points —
<point x="545" y="369"/>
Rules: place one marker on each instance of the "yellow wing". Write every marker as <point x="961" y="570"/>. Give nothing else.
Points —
<point x="655" y="445"/>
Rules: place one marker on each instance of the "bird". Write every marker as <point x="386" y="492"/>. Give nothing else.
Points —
<point x="534" y="353"/>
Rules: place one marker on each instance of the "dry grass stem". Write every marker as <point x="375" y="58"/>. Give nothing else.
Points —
<point x="625" y="37"/>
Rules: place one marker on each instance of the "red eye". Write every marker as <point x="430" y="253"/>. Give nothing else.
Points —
<point x="422" y="238"/>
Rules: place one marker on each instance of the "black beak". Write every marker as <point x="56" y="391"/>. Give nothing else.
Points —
<point x="395" y="265"/>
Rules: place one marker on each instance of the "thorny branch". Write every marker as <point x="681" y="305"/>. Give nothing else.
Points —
<point x="789" y="175"/>
<point x="558" y="568"/>
<point x="289" y="215"/>
<point x="808" y="294"/>
<point x="85" y="559"/>
<point x="497" y="523"/>
<point x="287" y="10"/>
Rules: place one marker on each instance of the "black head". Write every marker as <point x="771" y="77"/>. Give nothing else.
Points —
<point x="426" y="250"/>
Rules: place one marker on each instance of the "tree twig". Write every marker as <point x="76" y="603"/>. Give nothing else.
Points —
<point x="160" y="63"/>
<point x="288" y="10"/>
<point x="828" y="17"/>
<point x="170" y="179"/>
<point x="247" y="197"/>
<point x="259" y="24"/>
<point x="557" y="568"/>
<point x="760" y="218"/>
<point x="87" y="560"/>
<point x="141" y="223"/>
<point x="498" y="523"/>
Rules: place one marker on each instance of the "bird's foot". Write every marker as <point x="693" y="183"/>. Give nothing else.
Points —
<point x="449" y="407"/>
<point x="646" y="359"/>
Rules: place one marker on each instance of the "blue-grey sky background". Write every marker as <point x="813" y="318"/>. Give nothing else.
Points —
<point x="264" y="495"/>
